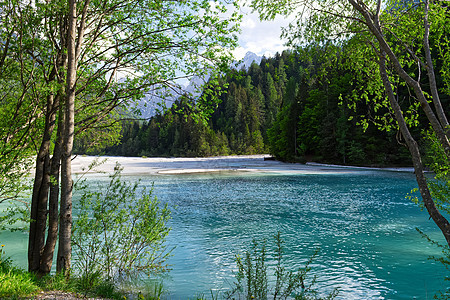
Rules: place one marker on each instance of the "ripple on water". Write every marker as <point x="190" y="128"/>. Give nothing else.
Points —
<point x="361" y="222"/>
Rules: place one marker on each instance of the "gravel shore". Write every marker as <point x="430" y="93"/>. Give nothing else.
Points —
<point x="238" y="163"/>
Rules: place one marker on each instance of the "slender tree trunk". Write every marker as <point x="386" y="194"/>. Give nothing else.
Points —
<point x="374" y="26"/>
<point x="65" y="229"/>
<point x="38" y="211"/>
<point x="39" y="198"/>
<point x="53" y="211"/>
<point x="413" y="147"/>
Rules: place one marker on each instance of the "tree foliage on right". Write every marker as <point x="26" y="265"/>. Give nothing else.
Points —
<point x="395" y="45"/>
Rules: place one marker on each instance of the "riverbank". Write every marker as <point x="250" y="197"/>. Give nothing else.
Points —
<point x="184" y="165"/>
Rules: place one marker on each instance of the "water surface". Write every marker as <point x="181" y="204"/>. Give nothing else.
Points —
<point x="360" y="220"/>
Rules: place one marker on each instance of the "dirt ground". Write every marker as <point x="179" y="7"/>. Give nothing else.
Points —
<point x="61" y="295"/>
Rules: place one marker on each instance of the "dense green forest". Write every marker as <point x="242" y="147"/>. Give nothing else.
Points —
<point x="293" y="108"/>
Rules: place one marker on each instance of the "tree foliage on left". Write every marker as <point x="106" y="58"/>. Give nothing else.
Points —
<point x="69" y="66"/>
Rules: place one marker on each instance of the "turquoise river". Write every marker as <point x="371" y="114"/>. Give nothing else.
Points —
<point x="361" y="221"/>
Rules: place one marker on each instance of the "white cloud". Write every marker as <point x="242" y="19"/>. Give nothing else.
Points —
<point x="248" y="23"/>
<point x="239" y="53"/>
<point x="260" y="37"/>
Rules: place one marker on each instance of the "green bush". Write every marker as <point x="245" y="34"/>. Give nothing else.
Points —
<point x="119" y="232"/>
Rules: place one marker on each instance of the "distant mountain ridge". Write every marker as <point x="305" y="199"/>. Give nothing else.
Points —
<point x="148" y="106"/>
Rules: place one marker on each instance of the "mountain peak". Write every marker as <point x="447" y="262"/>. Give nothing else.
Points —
<point x="247" y="61"/>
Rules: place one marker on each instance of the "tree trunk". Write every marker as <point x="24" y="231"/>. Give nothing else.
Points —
<point x="40" y="192"/>
<point x="52" y="233"/>
<point x="65" y="229"/>
<point x="373" y="24"/>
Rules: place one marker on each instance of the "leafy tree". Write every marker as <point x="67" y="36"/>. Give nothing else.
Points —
<point x="21" y="120"/>
<point x="384" y="46"/>
<point x="87" y="59"/>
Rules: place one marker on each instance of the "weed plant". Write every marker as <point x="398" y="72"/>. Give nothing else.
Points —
<point x="14" y="281"/>
<point x="252" y="276"/>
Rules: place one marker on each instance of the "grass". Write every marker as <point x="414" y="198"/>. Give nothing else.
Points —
<point x="16" y="283"/>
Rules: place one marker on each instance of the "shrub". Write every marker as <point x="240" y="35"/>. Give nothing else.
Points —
<point x="119" y="231"/>
<point x="252" y="276"/>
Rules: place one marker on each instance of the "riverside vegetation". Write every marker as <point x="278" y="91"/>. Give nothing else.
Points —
<point x="370" y="60"/>
<point x="252" y="280"/>
<point x="118" y="234"/>
<point x="69" y="66"/>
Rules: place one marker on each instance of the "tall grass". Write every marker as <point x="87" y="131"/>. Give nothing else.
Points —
<point x="15" y="282"/>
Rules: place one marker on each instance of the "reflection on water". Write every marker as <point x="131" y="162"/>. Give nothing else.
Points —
<point x="362" y="223"/>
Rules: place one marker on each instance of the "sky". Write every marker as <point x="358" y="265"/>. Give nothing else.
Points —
<point x="262" y="38"/>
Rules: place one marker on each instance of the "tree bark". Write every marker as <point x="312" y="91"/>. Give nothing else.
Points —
<point x="53" y="211"/>
<point x="64" y="250"/>
<point x="40" y="192"/>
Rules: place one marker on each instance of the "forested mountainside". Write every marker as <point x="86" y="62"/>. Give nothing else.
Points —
<point x="294" y="108"/>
